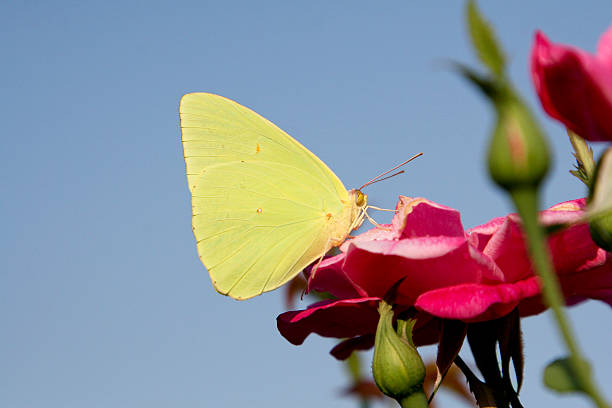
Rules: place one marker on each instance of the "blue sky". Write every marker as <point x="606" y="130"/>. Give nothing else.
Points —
<point x="103" y="300"/>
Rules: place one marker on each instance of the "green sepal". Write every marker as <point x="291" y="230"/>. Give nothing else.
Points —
<point x="585" y="164"/>
<point x="483" y="38"/>
<point x="600" y="202"/>
<point x="404" y="330"/>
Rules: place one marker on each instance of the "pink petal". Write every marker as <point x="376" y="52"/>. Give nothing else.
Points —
<point x="479" y="236"/>
<point x="564" y="212"/>
<point x="574" y="87"/>
<point x="571" y="248"/>
<point x="604" y="48"/>
<point x="426" y="331"/>
<point x="475" y="302"/>
<point x="424" y="263"/>
<point x="384" y="231"/>
<point x="535" y="304"/>
<point x="419" y="217"/>
<point x="593" y="283"/>
<point x="507" y="248"/>
<point x="340" y="318"/>
<point x="329" y="277"/>
<point x="344" y="349"/>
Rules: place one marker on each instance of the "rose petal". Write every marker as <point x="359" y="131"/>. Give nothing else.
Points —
<point x="479" y="236"/>
<point x="594" y="283"/>
<point x="604" y="48"/>
<point x="424" y="264"/>
<point x="329" y="277"/>
<point x="344" y="349"/>
<point x="571" y="248"/>
<point x="574" y="87"/>
<point x="340" y="318"/>
<point x="419" y="217"/>
<point x="474" y="302"/>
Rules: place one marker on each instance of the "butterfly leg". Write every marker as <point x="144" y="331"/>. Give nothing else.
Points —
<point x="373" y="222"/>
<point x="381" y="209"/>
<point x="314" y="269"/>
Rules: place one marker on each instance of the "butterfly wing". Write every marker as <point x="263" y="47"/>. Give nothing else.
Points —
<point x="261" y="201"/>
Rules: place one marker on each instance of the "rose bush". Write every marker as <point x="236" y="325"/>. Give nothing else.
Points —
<point x="446" y="273"/>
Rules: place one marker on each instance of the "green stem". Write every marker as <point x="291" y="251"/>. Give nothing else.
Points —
<point x="526" y="202"/>
<point x="415" y="400"/>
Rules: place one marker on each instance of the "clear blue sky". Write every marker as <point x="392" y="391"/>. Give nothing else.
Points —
<point x="103" y="301"/>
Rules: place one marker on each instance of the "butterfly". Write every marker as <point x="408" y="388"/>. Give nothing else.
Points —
<point x="264" y="206"/>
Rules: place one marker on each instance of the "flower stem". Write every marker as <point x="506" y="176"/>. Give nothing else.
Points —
<point x="526" y="202"/>
<point x="415" y="400"/>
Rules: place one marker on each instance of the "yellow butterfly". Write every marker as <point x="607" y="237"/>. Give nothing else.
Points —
<point x="264" y="206"/>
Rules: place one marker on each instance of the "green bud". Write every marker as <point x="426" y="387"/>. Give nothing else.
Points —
<point x="398" y="369"/>
<point x="600" y="200"/>
<point x="601" y="231"/>
<point x="518" y="153"/>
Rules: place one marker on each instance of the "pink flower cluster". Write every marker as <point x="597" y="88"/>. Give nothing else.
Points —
<point x="575" y="87"/>
<point x="445" y="272"/>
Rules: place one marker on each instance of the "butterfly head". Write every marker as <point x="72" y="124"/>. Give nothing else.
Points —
<point x="358" y="202"/>
<point x="356" y="208"/>
<point x="361" y="200"/>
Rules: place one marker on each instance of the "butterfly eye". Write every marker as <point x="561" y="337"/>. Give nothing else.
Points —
<point x="360" y="199"/>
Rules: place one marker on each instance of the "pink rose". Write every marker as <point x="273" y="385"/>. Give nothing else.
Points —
<point x="448" y="273"/>
<point x="583" y="269"/>
<point x="575" y="87"/>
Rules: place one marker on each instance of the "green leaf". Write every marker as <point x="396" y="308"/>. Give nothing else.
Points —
<point x="484" y="41"/>
<point x="489" y="87"/>
<point x="559" y="376"/>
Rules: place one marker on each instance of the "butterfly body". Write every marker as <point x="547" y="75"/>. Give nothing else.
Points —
<point x="264" y="207"/>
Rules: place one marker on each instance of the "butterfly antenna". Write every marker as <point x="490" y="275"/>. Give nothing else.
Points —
<point x="378" y="178"/>
<point x="384" y="178"/>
